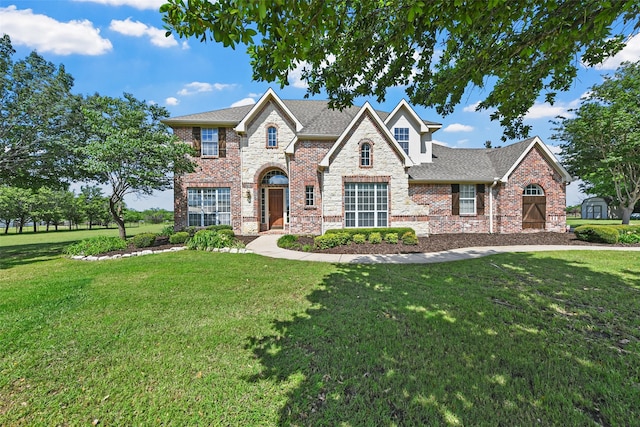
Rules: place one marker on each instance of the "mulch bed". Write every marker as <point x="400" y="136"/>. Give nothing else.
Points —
<point x="433" y="243"/>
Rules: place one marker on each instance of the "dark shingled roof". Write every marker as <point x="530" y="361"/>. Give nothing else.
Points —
<point x="315" y="115"/>
<point x="468" y="164"/>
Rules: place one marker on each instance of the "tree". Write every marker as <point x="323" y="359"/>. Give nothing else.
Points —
<point x="436" y="49"/>
<point x="39" y="121"/>
<point x="7" y="206"/>
<point x="130" y="149"/>
<point x="602" y="142"/>
<point x="93" y="204"/>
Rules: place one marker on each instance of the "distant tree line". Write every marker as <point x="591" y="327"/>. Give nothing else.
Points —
<point x="52" y="208"/>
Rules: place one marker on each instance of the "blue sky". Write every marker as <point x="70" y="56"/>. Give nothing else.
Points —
<point x="117" y="46"/>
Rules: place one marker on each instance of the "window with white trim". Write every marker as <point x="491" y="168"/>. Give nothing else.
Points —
<point x="309" y="199"/>
<point x="365" y="154"/>
<point x="533" y="190"/>
<point x="272" y="137"/>
<point x="467" y="199"/>
<point x="209" y="141"/>
<point x="366" y="204"/>
<point x="209" y="206"/>
<point x="402" y="136"/>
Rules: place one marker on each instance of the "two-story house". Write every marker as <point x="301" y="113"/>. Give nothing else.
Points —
<point x="300" y="167"/>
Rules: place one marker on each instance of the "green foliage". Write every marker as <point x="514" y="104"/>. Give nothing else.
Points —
<point x="597" y="233"/>
<point x="288" y="241"/>
<point x="205" y="240"/>
<point x="359" y="238"/>
<point x="179" y="237"/>
<point x="391" y="238"/>
<point x="96" y="245"/>
<point x="601" y="144"/>
<point x="218" y="227"/>
<point x="167" y="230"/>
<point x="409" y="238"/>
<point x="435" y="49"/>
<point x="143" y="240"/>
<point x="366" y="231"/>
<point x="191" y="230"/>
<point x="375" y="238"/>
<point x="331" y="240"/>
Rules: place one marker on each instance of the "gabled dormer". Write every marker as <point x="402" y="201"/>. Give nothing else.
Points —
<point x="413" y="134"/>
<point x="269" y="96"/>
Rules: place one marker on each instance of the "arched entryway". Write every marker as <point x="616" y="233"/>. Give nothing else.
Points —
<point x="534" y="207"/>
<point x="274" y="200"/>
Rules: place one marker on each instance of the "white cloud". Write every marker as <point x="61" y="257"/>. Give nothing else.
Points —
<point x="555" y="149"/>
<point x="45" y="34"/>
<point x="545" y="110"/>
<point x="199" y="87"/>
<point x="471" y="108"/>
<point x="138" y="29"/>
<point x="172" y="101"/>
<point x="138" y="4"/>
<point x="244" y="101"/>
<point x="630" y="53"/>
<point x="295" y="76"/>
<point x="458" y="127"/>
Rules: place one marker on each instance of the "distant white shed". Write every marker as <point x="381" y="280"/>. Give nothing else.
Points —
<point x="596" y="208"/>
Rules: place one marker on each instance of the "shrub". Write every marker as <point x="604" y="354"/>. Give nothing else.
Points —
<point x="219" y="227"/>
<point x="597" y="233"/>
<point x="359" y="238"/>
<point x="191" y="230"/>
<point x="409" y="238"/>
<point x="327" y="241"/>
<point x="391" y="238"/>
<point x="375" y="238"/>
<point x="208" y="239"/>
<point x="629" y="238"/>
<point x="167" y="230"/>
<point x="96" y="245"/>
<point x="288" y="241"/>
<point x="179" y="237"/>
<point x="143" y="240"/>
<point x="367" y="231"/>
<point x="227" y="232"/>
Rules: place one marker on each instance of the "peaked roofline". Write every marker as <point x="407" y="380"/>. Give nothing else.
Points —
<point x="424" y="127"/>
<point x="270" y="94"/>
<point x="364" y="109"/>
<point x="551" y="158"/>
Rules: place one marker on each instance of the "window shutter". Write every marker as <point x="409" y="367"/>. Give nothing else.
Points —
<point x="222" y="142"/>
<point x="455" y="199"/>
<point x="197" y="145"/>
<point x="480" y="199"/>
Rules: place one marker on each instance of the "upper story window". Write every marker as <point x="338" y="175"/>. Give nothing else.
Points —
<point x="209" y="141"/>
<point x="272" y="137"/>
<point x="533" y="190"/>
<point x="365" y="154"/>
<point x="402" y="136"/>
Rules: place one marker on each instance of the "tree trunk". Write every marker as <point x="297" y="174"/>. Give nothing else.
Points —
<point x="6" y="228"/>
<point x="114" y="208"/>
<point x="35" y="227"/>
<point x="626" y="214"/>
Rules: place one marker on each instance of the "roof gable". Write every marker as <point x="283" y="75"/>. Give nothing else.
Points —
<point x="528" y="145"/>
<point x="424" y="126"/>
<point x="269" y="96"/>
<point x="346" y="134"/>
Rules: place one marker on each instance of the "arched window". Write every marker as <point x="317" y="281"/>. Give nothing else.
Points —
<point x="365" y="154"/>
<point x="272" y="137"/>
<point x="275" y="177"/>
<point x="533" y="190"/>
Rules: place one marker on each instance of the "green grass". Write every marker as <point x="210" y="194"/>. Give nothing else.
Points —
<point x="574" y="222"/>
<point x="198" y="338"/>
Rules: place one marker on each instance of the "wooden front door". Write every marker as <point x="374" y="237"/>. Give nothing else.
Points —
<point x="276" y="205"/>
<point x="534" y="212"/>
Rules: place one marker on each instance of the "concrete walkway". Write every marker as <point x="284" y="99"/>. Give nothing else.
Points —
<point x="267" y="245"/>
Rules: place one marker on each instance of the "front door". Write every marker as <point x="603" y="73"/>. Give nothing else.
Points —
<point x="276" y="204"/>
<point x="534" y="212"/>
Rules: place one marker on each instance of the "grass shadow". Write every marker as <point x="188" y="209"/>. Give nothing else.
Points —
<point x="12" y="256"/>
<point x="515" y="339"/>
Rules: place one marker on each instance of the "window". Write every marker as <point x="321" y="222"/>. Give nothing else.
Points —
<point x="209" y="142"/>
<point x="533" y="190"/>
<point x="402" y="136"/>
<point x="365" y="154"/>
<point x="209" y="206"/>
<point x="308" y="196"/>
<point x="365" y="204"/>
<point x="272" y="137"/>
<point x="467" y="199"/>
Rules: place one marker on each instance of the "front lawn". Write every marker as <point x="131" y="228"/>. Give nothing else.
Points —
<point x="199" y="338"/>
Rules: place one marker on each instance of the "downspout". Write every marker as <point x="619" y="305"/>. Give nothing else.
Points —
<point x="495" y="182"/>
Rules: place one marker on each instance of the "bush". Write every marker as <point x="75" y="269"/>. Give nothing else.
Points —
<point x="219" y="227"/>
<point x="208" y="239"/>
<point x="629" y="238"/>
<point x="327" y="241"/>
<point x="367" y="231"/>
<point x="391" y="238"/>
<point x="359" y="238"/>
<point x="288" y="241"/>
<point x="96" y="245"/>
<point x="597" y="233"/>
<point x="227" y="232"/>
<point x="409" y="238"/>
<point x="191" y="230"/>
<point x="167" y="230"/>
<point x="179" y="237"/>
<point x="143" y="240"/>
<point x="375" y="238"/>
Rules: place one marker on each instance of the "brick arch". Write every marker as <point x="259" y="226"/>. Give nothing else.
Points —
<point x="265" y="168"/>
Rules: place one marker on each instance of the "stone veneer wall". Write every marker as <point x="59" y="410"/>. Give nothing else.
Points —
<point x="387" y="166"/>
<point x="534" y="169"/>
<point x="210" y="172"/>
<point x="303" y="171"/>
